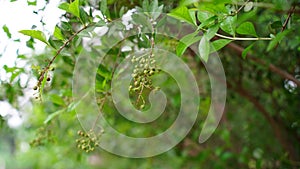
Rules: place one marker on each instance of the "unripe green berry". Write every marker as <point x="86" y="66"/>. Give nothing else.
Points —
<point x="136" y="83"/>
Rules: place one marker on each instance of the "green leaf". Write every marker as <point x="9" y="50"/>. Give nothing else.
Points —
<point x="103" y="6"/>
<point x="145" y="5"/>
<point x="183" y="13"/>
<point x="204" y="48"/>
<point x="186" y="41"/>
<point x="57" y="100"/>
<point x="246" y="50"/>
<point x="35" y="34"/>
<point x="203" y="15"/>
<point x="211" y="32"/>
<point x="208" y="22"/>
<point x="229" y="25"/>
<point x="246" y="28"/>
<point x="277" y="39"/>
<point x="276" y="24"/>
<point x="6" y="30"/>
<point x="74" y="8"/>
<point x="72" y="106"/>
<point x="53" y="115"/>
<point x="104" y="72"/>
<point x="43" y="84"/>
<point x="64" y="6"/>
<point x="154" y="6"/>
<point x="84" y="16"/>
<point x="219" y="44"/>
<point x="58" y="34"/>
<point x="31" y="3"/>
<point x="187" y="2"/>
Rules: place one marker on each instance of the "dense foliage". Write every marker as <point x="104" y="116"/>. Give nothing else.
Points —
<point x="257" y="42"/>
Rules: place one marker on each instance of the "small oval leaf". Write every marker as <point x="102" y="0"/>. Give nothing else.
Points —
<point x="204" y="48"/>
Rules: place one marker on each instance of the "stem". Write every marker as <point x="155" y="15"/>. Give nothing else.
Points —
<point x="98" y="116"/>
<point x="238" y="38"/>
<point x="42" y="75"/>
<point x="270" y="66"/>
<point x="241" y="7"/>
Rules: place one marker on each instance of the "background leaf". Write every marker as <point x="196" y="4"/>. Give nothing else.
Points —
<point x="246" y="28"/>
<point x="184" y="14"/>
<point x="219" y="44"/>
<point x="277" y="39"/>
<point x="246" y="50"/>
<point x="204" y="48"/>
<point x="6" y="30"/>
<point x="186" y="41"/>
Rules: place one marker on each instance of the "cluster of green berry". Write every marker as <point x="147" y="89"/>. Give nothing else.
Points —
<point x="88" y="140"/>
<point x="44" y="135"/>
<point x="145" y="67"/>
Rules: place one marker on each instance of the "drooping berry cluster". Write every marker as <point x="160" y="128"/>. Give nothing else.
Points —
<point x="144" y="68"/>
<point x="43" y="136"/>
<point x="88" y="141"/>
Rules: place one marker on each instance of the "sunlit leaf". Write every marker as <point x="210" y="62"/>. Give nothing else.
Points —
<point x="35" y="34"/>
<point x="74" y="8"/>
<point x="58" y="34"/>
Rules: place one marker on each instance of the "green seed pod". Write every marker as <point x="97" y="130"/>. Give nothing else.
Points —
<point x="142" y="106"/>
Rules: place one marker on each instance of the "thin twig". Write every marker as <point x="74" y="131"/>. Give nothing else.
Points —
<point x="291" y="11"/>
<point x="100" y="109"/>
<point x="270" y="66"/>
<point x="241" y="7"/>
<point x="238" y="38"/>
<point x="42" y="74"/>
